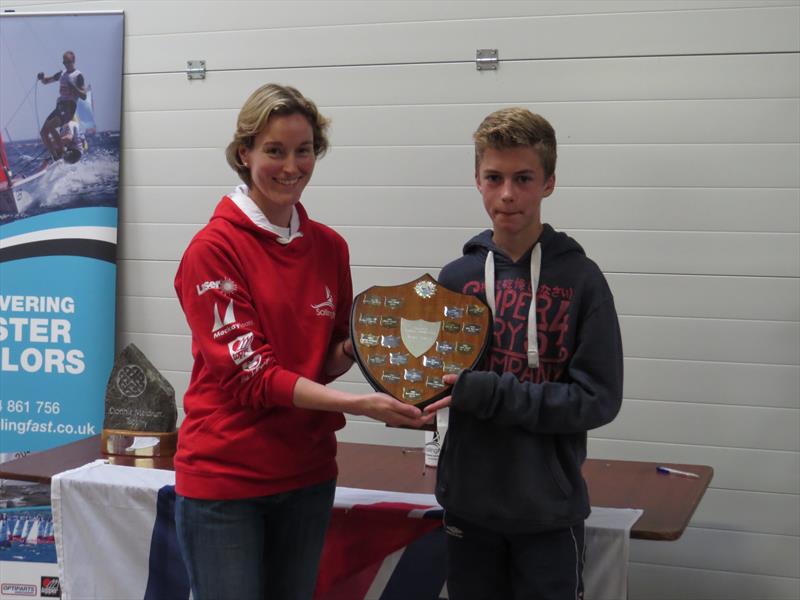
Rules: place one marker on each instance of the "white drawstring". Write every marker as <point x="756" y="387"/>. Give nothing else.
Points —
<point x="536" y="266"/>
<point x="488" y="279"/>
<point x="533" y="334"/>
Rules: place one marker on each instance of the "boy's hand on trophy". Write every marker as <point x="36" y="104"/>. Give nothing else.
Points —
<point x="445" y="402"/>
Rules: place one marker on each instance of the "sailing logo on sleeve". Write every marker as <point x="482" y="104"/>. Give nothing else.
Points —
<point x="226" y="286"/>
<point x="241" y="348"/>
<point x="229" y="318"/>
<point x="223" y="325"/>
<point x="253" y="366"/>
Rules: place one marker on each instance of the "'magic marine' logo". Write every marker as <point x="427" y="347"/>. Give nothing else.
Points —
<point x="50" y="587"/>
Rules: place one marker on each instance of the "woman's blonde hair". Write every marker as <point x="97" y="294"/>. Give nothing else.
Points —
<point x="272" y="99"/>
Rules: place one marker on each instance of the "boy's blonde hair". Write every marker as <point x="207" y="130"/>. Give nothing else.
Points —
<point x="514" y="127"/>
<point x="272" y="99"/>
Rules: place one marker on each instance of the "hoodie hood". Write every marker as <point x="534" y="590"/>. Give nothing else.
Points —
<point x="550" y="243"/>
<point x="238" y="209"/>
<point x="554" y="244"/>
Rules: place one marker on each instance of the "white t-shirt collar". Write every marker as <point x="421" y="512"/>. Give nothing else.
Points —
<point x="241" y="197"/>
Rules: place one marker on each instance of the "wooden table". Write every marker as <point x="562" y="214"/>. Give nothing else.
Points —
<point x="668" y="501"/>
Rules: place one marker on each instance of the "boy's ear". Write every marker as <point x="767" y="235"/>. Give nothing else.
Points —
<point x="550" y="185"/>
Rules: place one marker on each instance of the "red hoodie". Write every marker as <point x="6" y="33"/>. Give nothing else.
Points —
<point x="263" y="313"/>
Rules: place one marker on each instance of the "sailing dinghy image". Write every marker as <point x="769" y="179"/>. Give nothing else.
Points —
<point x="26" y="164"/>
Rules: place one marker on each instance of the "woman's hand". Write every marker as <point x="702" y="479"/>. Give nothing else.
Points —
<point x="312" y="395"/>
<point x="391" y="411"/>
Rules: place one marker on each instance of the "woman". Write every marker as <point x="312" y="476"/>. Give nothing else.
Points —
<point x="267" y="295"/>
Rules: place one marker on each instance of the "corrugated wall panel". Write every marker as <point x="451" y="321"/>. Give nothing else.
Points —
<point x="739" y="76"/>
<point x="646" y="122"/>
<point x="650" y="209"/>
<point x="562" y="36"/>
<point x="673" y="165"/>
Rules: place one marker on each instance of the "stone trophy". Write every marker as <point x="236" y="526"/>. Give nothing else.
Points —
<point x="407" y="337"/>
<point x="140" y="411"/>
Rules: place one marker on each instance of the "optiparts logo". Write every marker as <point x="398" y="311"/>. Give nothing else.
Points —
<point x="50" y="587"/>
<point x="17" y="589"/>
<point x="326" y="308"/>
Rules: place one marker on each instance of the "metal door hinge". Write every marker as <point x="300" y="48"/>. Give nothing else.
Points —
<point x="486" y="59"/>
<point x="196" y="69"/>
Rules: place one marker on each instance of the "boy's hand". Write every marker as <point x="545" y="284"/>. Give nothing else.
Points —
<point x="449" y="379"/>
<point x="438" y="405"/>
<point x="40" y="76"/>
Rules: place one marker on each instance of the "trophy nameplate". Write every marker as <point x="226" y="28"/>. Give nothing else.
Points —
<point x="407" y="337"/>
<point x="123" y="442"/>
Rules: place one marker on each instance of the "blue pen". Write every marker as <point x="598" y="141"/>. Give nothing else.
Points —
<point x="671" y="471"/>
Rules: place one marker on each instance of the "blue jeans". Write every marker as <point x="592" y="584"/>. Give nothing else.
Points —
<point x="255" y="548"/>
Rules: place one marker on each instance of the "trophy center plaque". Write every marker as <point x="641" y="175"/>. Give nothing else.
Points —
<point x="419" y="336"/>
<point x="407" y="337"/>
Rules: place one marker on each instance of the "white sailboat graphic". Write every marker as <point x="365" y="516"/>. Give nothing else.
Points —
<point x="5" y="536"/>
<point x="17" y="531"/>
<point x="33" y="534"/>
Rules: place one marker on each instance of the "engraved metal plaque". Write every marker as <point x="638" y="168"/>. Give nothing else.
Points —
<point x="425" y="331"/>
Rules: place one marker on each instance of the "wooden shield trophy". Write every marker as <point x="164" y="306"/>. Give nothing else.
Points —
<point x="407" y="337"/>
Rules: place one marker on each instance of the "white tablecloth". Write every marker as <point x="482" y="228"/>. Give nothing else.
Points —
<point x="110" y="544"/>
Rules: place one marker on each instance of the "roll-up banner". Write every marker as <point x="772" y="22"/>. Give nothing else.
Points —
<point x="60" y="114"/>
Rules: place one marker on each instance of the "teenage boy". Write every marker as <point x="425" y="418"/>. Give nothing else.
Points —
<point x="509" y="474"/>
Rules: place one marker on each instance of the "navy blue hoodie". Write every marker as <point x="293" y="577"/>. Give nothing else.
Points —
<point x="516" y="440"/>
